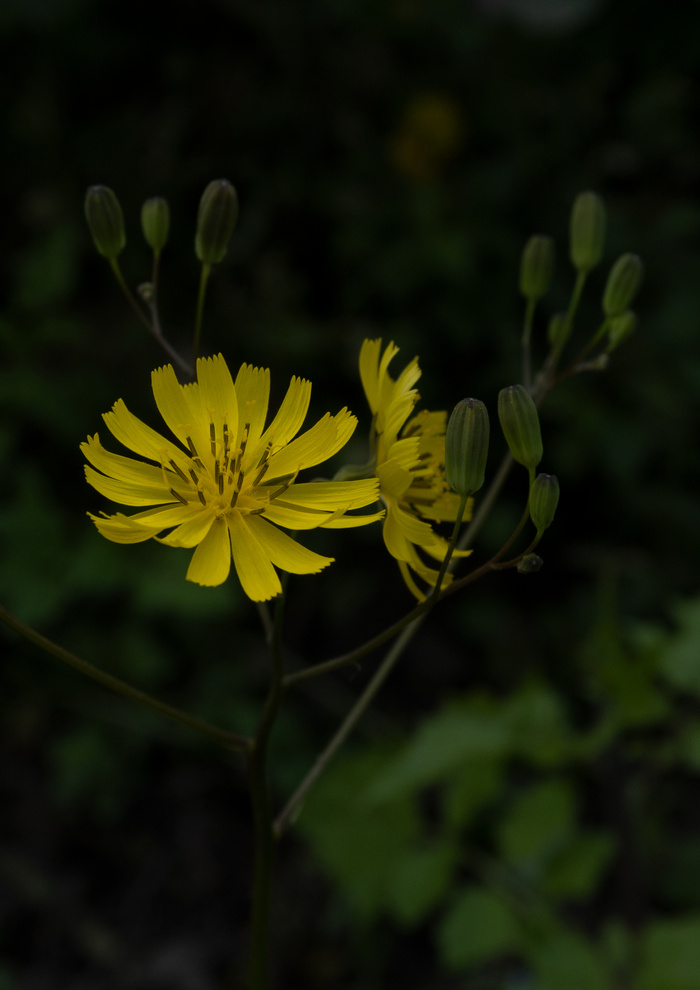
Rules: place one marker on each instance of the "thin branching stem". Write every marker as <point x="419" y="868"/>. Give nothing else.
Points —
<point x="229" y="740"/>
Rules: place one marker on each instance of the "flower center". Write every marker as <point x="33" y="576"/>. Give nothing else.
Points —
<point x="226" y="481"/>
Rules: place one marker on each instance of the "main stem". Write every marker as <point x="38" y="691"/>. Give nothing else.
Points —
<point x="262" y="817"/>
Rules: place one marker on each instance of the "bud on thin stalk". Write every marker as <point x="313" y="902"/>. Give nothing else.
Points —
<point x="619" y="328"/>
<point x="587" y="231"/>
<point x="537" y="267"/>
<point x="467" y="446"/>
<point x="155" y="223"/>
<point x="106" y="221"/>
<point x="544" y="497"/>
<point x="218" y="212"/>
<point x="623" y="284"/>
<point x="521" y="426"/>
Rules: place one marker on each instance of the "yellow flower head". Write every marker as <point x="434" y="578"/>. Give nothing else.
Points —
<point x="410" y="465"/>
<point x="231" y="479"/>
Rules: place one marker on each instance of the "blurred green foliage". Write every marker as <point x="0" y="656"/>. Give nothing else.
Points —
<point x="528" y="775"/>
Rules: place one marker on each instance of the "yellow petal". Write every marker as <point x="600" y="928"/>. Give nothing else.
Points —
<point x="120" y="529"/>
<point x="211" y="561"/>
<point x="135" y="435"/>
<point x="128" y="492"/>
<point x="318" y="444"/>
<point x="285" y="552"/>
<point x="192" y="531"/>
<point x="253" y="391"/>
<point x="120" y="467"/>
<point x="351" y="522"/>
<point x="369" y="364"/>
<point x="289" y="419"/>
<point x="217" y="393"/>
<point x="182" y="418"/>
<point x="253" y="566"/>
<point x="394" y="479"/>
<point x="331" y="494"/>
<point x="296" y="517"/>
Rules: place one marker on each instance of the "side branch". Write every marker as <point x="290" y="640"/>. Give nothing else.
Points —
<point x="229" y="740"/>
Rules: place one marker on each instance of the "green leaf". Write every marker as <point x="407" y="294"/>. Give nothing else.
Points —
<point x="361" y="846"/>
<point x="566" y="961"/>
<point x="444" y="744"/>
<point x="538" y="822"/>
<point x="680" y="661"/>
<point x="539" y="725"/>
<point x="476" y="927"/>
<point x="670" y="955"/>
<point x="470" y="789"/>
<point x="575" y="871"/>
<point x="421" y="880"/>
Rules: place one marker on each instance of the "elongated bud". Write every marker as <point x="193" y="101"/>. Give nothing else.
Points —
<point x="155" y="223"/>
<point x="587" y="231"/>
<point x="620" y="328"/>
<point x="623" y="284"/>
<point x="105" y="220"/>
<point x="218" y="212"/>
<point x="558" y="331"/>
<point x="537" y="266"/>
<point x="521" y="425"/>
<point x="544" y="496"/>
<point x="466" y="446"/>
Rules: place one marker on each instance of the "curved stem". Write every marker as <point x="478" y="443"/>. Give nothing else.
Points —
<point x="286" y="816"/>
<point x="229" y="740"/>
<point x="114" y="264"/>
<point x="203" y="279"/>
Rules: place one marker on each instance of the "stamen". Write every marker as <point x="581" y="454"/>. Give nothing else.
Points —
<point x="261" y="473"/>
<point x="201" y="497"/>
<point x="178" y="496"/>
<point x="241" y="449"/>
<point x="216" y="471"/>
<point x="177" y="470"/>
<point x="193" y="449"/>
<point x="234" y="498"/>
<point x="194" y="476"/>
<point x="221" y="484"/>
<point x="224" y="430"/>
<point x="199" y="464"/>
<point x="265" y="455"/>
<point x="212" y="438"/>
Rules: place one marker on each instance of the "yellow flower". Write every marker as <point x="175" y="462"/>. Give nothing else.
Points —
<point x="409" y="461"/>
<point x="232" y="481"/>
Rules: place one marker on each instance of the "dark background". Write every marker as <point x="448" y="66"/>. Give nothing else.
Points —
<point x="391" y="158"/>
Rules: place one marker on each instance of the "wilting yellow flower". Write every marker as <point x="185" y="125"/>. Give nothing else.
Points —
<point x="233" y="479"/>
<point x="409" y="461"/>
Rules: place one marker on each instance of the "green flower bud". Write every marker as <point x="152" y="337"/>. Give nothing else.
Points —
<point x="155" y="223"/>
<point x="623" y="284"/>
<point x="544" y="496"/>
<point x="521" y="425"/>
<point x="530" y="564"/>
<point x="218" y="212"/>
<point x="558" y="331"/>
<point x="587" y="231"/>
<point x="105" y="220"/>
<point x="466" y="446"/>
<point x="620" y="328"/>
<point x="537" y="266"/>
